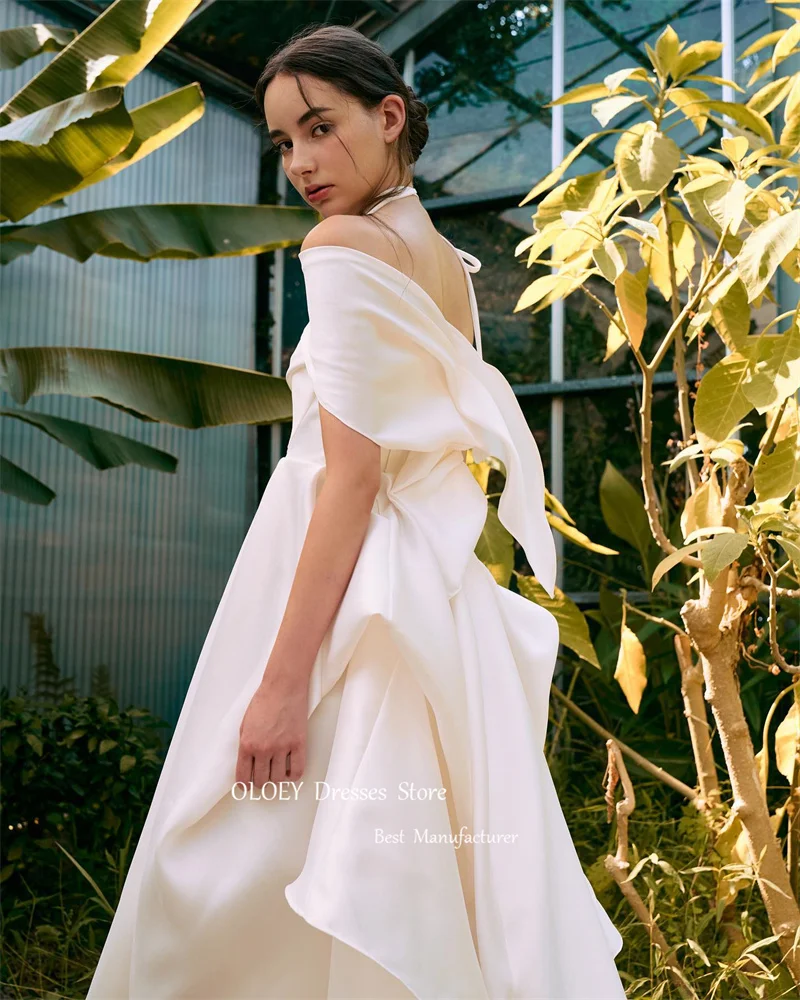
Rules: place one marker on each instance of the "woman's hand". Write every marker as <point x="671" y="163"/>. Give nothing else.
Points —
<point x="274" y="725"/>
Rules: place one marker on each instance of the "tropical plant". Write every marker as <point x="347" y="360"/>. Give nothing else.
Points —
<point x="69" y="128"/>
<point x="709" y="232"/>
<point x="78" y="776"/>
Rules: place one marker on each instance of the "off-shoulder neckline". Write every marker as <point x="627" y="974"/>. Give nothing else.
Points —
<point x="400" y="275"/>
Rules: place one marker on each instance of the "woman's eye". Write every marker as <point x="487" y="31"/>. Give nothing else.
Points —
<point x="279" y="145"/>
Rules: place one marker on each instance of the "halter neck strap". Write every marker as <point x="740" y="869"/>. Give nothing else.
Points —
<point x="402" y="193"/>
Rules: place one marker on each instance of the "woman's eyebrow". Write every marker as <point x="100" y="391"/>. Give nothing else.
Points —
<point x="300" y="121"/>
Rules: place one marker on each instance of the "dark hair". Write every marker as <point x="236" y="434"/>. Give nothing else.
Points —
<point x="342" y="56"/>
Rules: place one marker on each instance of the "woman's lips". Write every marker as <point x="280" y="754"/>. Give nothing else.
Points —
<point x="320" y="193"/>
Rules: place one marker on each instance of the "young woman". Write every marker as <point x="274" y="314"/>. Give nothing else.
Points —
<point x="355" y="802"/>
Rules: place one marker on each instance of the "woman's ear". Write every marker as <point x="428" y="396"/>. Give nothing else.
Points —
<point x="394" y="116"/>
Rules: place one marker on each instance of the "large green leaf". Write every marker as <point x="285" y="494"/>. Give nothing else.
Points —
<point x="774" y="360"/>
<point x="154" y="125"/>
<point x="720" y="552"/>
<point x="572" y="195"/>
<point x="175" y="391"/>
<point x="747" y="117"/>
<point x="19" y="44"/>
<point x="109" y="52"/>
<point x="495" y="547"/>
<point x="765" y="248"/>
<point x="623" y="511"/>
<point x="646" y="160"/>
<point x="147" y="232"/>
<point x="721" y="400"/>
<point x="572" y="625"/>
<point x="49" y="152"/>
<point x="574" y="535"/>
<point x="11" y="249"/>
<point x="16" y="482"/>
<point x="730" y="315"/>
<point x="101" y="448"/>
<point x="778" y="473"/>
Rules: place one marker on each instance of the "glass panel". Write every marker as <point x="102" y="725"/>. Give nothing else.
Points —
<point x="485" y="77"/>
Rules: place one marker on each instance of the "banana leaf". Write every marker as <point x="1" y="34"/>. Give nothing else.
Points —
<point x="10" y="249"/>
<point x="110" y="52"/>
<point x="188" y="231"/>
<point x="17" y="45"/>
<point x="151" y="387"/>
<point x="16" y="482"/>
<point x="50" y="152"/>
<point x="154" y="125"/>
<point x="101" y="448"/>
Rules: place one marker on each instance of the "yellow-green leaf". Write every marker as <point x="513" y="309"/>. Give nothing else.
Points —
<point x="689" y="100"/>
<point x="735" y="148"/>
<point x="790" y="136"/>
<point x="778" y="473"/>
<point x="614" y="80"/>
<point x="19" y="44"/>
<point x="720" y="551"/>
<point x="154" y="124"/>
<point x="588" y="92"/>
<point x="721" y="401"/>
<point x="765" y="248"/>
<point x="744" y="116"/>
<point x="695" y="56"/>
<point x="731" y="316"/>
<point x="623" y="510"/>
<point x="126" y="763"/>
<point x="572" y="625"/>
<point x="610" y="107"/>
<point x="495" y="547"/>
<point x="578" y="537"/>
<point x="762" y="43"/>
<point x="787" y="739"/>
<point x="786" y="44"/>
<point x="769" y="97"/>
<point x="573" y="195"/>
<point x="631" y="669"/>
<point x="632" y="302"/>
<point x="611" y="260"/>
<point x="673" y="559"/>
<point x="667" y="48"/>
<point x="703" y="509"/>
<point x="646" y="160"/>
<point x="558" y="173"/>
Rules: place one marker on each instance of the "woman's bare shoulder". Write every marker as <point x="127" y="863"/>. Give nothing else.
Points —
<point x="355" y="232"/>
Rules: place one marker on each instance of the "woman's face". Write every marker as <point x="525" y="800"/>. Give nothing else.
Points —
<point x="311" y="145"/>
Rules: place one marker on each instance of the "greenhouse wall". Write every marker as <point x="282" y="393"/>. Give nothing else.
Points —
<point x="126" y="566"/>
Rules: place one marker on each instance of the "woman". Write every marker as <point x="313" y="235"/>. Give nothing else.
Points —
<point x="355" y="802"/>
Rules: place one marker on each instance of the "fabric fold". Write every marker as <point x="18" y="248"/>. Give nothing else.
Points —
<point x="393" y="369"/>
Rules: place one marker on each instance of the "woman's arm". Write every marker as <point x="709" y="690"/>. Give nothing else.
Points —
<point x="275" y="723"/>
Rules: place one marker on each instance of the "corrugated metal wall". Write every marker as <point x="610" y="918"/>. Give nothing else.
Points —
<point x="127" y="565"/>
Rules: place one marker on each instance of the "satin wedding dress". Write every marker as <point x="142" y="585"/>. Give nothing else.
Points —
<point x="431" y="676"/>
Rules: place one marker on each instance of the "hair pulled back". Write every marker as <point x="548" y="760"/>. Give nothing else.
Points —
<point x="359" y="67"/>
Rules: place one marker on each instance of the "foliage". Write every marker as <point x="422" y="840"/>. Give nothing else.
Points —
<point x="78" y="775"/>
<point x="67" y="129"/>
<point x="709" y="232"/>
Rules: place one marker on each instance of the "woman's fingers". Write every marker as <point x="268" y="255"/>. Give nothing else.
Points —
<point x="244" y="766"/>
<point x="261" y="768"/>
<point x="277" y="771"/>
<point x="297" y="763"/>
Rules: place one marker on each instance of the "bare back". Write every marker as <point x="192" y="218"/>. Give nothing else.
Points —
<point x="433" y="264"/>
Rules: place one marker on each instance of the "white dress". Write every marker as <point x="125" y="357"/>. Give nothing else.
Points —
<point x="430" y="676"/>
